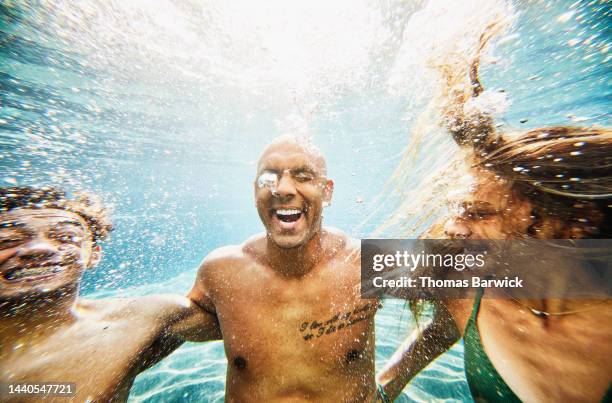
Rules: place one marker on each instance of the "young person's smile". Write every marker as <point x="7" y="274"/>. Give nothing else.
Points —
<point x="41" y="249"/>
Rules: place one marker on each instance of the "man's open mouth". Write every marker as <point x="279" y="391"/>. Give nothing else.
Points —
<point x="288" y="215"/>
<point x="31" y="273"/>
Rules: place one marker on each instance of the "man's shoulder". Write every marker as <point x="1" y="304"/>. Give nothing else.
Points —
<point x="232" y="256"/>
<point x="223" y="255"/>
<point x="336" y="233"/>
<point x="341" y="242"/>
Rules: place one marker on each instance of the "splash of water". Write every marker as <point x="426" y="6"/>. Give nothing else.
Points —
<point x="443" y="33"/>
<point x="274" y="49"/>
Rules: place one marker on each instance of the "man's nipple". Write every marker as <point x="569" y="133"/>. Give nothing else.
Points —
<point x="240" y="363"/>
<point x="354" y="355"/>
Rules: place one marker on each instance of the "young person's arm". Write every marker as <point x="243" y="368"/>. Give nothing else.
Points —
<point x="171" y="320"/>
<point x="192" y="322"/>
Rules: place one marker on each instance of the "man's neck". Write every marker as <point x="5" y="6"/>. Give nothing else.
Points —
<point x="298" y="261"/>
<point x="27" y="319"/>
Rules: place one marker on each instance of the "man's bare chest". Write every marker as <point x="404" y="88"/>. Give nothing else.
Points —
<point x="296" y="322"/>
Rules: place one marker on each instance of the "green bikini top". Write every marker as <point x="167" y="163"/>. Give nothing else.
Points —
<point x="485" y="382"/>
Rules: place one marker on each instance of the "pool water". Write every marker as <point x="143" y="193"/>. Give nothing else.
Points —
<point x="163" y="107"/>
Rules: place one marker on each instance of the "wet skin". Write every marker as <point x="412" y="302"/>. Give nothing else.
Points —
<point x="49" y="334"/>
<point x="561" y="358"/>
<point x="553" y="359"/>
<point x="288" y="302"/>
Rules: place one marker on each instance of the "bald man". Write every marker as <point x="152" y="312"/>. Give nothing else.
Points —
<point x="287" y="301"/>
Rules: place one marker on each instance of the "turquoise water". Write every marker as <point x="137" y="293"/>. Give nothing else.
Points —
<point x="162" y="109"/>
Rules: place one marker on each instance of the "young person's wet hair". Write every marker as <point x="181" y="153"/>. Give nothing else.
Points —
<point x="86" y="205"/>
<point x="564" y="171"/>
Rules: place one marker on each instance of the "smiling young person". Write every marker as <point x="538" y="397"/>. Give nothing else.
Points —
<point x="47" y="332"/>
<point x="547" y="183"/>
<point x="288" y="302"/>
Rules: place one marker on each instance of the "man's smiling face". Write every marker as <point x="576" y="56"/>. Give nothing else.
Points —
<point x="290" y="190"/>
<point x="43" y="250"/>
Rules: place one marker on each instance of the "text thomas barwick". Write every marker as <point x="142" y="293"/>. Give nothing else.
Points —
<point x="429" y="282"/>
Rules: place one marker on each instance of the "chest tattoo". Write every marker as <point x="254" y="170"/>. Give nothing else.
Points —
<point x="310" y="329"/>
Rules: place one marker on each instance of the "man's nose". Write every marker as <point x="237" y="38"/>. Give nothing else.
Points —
<point x="456" y="228"/>
<point x="286" y="187"/>
<point x="36" y="249"/>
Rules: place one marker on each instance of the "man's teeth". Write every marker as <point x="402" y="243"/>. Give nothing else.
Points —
<point x="288" y="212"/>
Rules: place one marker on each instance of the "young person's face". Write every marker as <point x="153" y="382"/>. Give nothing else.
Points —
<point x="290" y="192"/>
<point x="489" y="210"/>
<point x="43" y="250"/>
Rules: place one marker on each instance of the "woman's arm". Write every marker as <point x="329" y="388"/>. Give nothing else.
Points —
<point x="418" y="350"/>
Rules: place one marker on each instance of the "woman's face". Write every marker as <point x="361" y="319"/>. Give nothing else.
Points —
<point x="489" y="209"/>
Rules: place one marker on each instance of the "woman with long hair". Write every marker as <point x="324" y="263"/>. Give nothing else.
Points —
<point x="546" y="183"/>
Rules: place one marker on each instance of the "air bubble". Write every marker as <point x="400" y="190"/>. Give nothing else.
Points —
<point x="269" y="180"/>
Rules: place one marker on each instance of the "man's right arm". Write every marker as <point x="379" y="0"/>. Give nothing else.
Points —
<point x="418" y="350"/>
<point x="194" y="318"/>
<point x="174" y="319"/>
<point x="200" y="293"/>
<point x="194" y="323"/>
